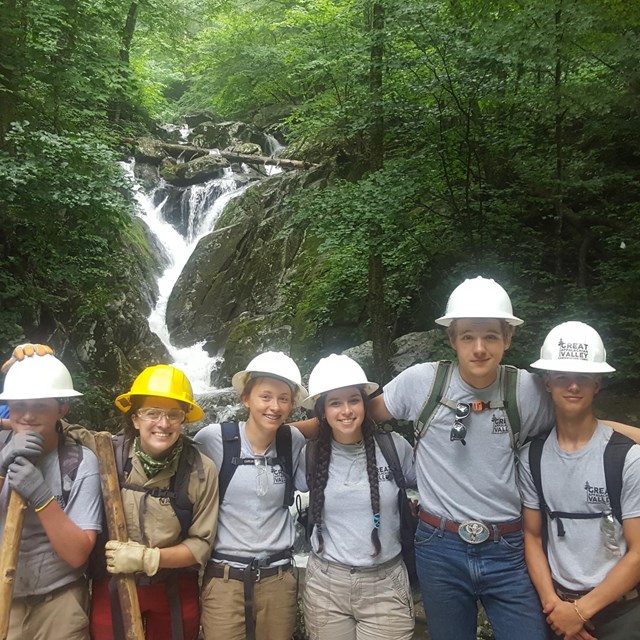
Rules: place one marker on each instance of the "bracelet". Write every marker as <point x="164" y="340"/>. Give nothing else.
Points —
<point x="575" y="606"/>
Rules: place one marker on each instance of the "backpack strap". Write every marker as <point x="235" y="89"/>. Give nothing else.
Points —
<point x="284" y="454"/>
<point x="389" y="451"/>
<point x="440" y="383"/>
<point x="230" y="451"/>
<point x="510" y="379"/>
<point x="69" y="458"/>
<point x="179" y="486"/>
<point x="535" y="458"/>
<point x="614" y="456"/>
<point x="311" y="463"/>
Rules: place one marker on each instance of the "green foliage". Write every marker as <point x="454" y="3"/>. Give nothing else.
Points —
<point x="64" y="210"/>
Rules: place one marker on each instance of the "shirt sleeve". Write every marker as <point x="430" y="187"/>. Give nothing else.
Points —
<point x="204" y="497"/>
<point x="630" y="497"/>
<point x="407" y="392"/>
<point x="298" y="452"/>
<point x="528" y="494"/>
<point x="84" y="507"/>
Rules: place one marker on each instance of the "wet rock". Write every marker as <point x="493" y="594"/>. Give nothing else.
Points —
<point x="195" y="171"/>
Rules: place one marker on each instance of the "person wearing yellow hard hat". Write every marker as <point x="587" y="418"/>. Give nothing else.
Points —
<point x="170" y="498"/>
<point x="60" y="482"/>
<point x="249" y="588"/>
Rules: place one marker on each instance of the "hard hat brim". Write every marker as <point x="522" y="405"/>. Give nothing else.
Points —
<point x="240" y="379"/>
<point x="29" y="395"/>
<point x="369" y="388"/>
<point x="195" y="413"/>
<point x="446" y="320"/>
<point x="573" y="366"/>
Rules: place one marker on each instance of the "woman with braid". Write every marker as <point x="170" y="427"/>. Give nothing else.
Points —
<point x="356" y="583"/>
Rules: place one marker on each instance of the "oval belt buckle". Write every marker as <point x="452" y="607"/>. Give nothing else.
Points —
<point x="473" y="531"/>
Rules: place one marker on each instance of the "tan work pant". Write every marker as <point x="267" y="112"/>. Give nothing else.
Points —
<point x="274" y="608"/>
<point x="60" y="615"/>
<point x="349" y="603"/>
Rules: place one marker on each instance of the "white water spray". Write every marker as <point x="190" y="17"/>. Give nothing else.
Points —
<point x="205" y="203"/>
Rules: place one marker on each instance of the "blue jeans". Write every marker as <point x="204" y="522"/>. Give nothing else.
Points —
<point x="454" y="575"/>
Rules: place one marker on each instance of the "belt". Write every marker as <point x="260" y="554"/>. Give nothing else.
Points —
<point x="570" y="596"/>
<point x="253" y="574"/>
<point x="472" y="531"/>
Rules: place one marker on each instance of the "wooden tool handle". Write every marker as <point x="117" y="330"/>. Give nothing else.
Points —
<point x="117" y="527"/>
<point x="9" y="557"/>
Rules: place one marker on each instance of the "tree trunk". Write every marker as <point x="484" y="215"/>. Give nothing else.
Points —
<point x="378" y="312"/>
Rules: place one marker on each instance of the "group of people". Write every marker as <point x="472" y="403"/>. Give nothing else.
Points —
<point x="545" y="535"/>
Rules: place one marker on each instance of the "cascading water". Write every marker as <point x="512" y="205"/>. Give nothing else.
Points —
<point x="202" y="205"/>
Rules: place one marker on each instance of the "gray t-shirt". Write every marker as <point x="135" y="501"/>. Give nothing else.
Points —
<point x="574" y="481"/>
<point x="476" y="481"/>
<point x="252" y="525"/>
<point x="40" y="568"/>
<point x="347" y="515"/>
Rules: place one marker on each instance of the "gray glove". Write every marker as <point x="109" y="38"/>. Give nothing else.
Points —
<point x="27" y="444"/>
<point x="25" y="478"/>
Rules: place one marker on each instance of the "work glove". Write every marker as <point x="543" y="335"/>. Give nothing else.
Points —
<point x="130" y="557"/>
<point x="26" y="351"/>
<point x="27" y="444"/>
<point x="25" y="478"/>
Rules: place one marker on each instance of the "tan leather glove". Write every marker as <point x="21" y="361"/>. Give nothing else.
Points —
<point x="130" y="557"/>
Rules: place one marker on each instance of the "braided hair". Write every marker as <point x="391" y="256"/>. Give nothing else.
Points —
<point x="321" y="475"/>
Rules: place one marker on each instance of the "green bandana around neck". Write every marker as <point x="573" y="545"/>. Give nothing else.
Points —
<point x="153" y="466"/>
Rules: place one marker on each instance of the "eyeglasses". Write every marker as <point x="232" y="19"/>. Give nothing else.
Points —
<point x="151" y="414"/>
<point x="459" y="430"/>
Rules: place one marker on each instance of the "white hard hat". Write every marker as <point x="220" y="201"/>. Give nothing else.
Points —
<point x="272" y="364"/>
<point x="336" y="372"/>
<point x="479" y="298"/>
<point x="38" y="377"/>
<point x="573" y="347"/>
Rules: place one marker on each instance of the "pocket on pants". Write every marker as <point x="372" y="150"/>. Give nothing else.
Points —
<point x="513" y="542"/>
<point x="399" y="579"/>
<point x="425" y="533"/>
<point x="316" y="601"/>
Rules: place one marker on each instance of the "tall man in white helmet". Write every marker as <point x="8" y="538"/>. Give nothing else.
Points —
<point x="582" y="527"/>
<point x="59" y="480"/>
<point x="469" y="542"/>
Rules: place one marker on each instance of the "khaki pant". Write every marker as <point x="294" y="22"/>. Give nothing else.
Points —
<point x="345" y="603"/>
<point x="274" y="608"/>
<point x="60" y="615"/>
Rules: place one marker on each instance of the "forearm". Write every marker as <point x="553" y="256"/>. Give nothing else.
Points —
<point x="308" y="428"/>
<point x="539" y="572"/>
<point x="625" y="429"/>
<point x="622" y="578"/>
<point x="70" y="542"/>
<point x="176" y="557"/>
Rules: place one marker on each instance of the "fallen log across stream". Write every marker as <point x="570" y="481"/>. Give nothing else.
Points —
<point x="188" y="152"/>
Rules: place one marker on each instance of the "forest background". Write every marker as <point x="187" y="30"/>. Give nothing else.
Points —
<point x="468" y="137"/>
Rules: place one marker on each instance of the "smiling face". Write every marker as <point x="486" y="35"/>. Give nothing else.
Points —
<point x="39" y="415"/>
<point x="157" y="436"/>
<point x="269" y="402"/>
<point x="480" y="345"/>
<point x="572" y="393"/>
<point x="344" y="410"/>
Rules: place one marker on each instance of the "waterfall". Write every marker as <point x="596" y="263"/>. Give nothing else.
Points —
<point x="201" y="206"/>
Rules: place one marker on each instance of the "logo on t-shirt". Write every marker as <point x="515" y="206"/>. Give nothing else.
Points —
<point x="384" y="473"/>
<point x="499" y="424"/>
<point x="278" y="475"/>
<point x="596" y="495"/>
<point x="573" y="350"/>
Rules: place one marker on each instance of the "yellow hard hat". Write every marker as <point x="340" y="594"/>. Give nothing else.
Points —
<point x="166" y="382"/>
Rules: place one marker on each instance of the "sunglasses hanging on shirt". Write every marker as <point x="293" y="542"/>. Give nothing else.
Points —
<point x="459" y="429"/>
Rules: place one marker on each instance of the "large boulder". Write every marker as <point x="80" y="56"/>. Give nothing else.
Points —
<point x="233" y="291"/>
<point x="226" y="135"/>
<point x="195" y="171"/>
